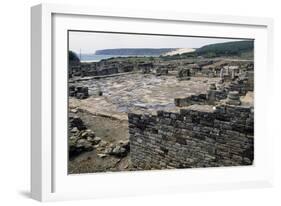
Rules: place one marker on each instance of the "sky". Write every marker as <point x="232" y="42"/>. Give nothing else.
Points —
<point x="89" y="42"/>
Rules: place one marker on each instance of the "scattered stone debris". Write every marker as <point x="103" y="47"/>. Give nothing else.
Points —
<point x="75" y="122"/>
<point x="125" y="144"/>
<point x="119" y="150"/>
<point x="81" y="139"/>
<point x="96" y="140"/>
<point x="103" y="143"/>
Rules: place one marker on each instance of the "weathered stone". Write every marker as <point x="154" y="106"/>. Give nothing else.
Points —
<point x="125" y="144"/>
<point x="119" y="151"/>
<point x="80" y="92"/>
<point x="102" y="155"/>
<point x="75" y="121"/>
<point x="183" y="74"/>
<point x="74" y="130"/>
<point x="103" y="143"/>
<point x="74" y="110"/>
<point x="233" y="98"/>
<point x="161" y="71"/>
<point x="83" y="143"/>
<point x="139" y="140"/>
<point x="96" y="140"/>
<point x="212" y="87"/>
<point x="210" y="139"/>
<point x="84" y="134"/>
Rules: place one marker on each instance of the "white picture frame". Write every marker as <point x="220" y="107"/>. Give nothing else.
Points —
<point x="49" y="181"/>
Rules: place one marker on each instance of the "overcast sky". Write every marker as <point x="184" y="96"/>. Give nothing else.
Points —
<point x="89" y="42"/>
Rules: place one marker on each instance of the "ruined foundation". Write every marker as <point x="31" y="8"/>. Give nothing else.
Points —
<point x="198" y="136"/>
<point x="160" y="115"/>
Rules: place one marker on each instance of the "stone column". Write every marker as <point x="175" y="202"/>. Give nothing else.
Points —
<point x="232" y="74"/>
<point x="227" y="70"/>
<point x="221" y="75"/>
<point x="211" y="93"/>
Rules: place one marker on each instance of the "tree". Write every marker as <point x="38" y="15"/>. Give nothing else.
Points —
<point x="72" y="57"/>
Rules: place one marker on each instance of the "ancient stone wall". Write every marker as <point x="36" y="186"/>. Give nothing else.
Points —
<point x="198" y="136"/>
<point x="200" y="98"/>
<point x="192" y="99"/>
<point x="244" y="84"/>
<point x="104" y="67"/>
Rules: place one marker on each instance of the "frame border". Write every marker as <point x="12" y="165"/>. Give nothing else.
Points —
<point x="42" y="124"/>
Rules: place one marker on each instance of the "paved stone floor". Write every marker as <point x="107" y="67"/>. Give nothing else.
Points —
<point x="137" y="93"/>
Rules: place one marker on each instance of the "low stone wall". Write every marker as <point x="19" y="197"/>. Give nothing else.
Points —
<point x="192" y="99"/>
<point x="105" y="67"/>
<point x="198" y="136"/>
<point x="200" y="98"/>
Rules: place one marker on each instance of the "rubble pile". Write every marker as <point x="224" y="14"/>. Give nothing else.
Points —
<point x="82" y="140"/>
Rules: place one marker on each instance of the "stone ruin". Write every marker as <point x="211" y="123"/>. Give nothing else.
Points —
<point x="197" y="136"/>
<point x="80" y="92"/>
<point x="208" y="130"/>
<point x="145" y="68"/>
<point x="161" y="71"/>
<point x="214" y="95"/>
<point x="82" y="139"/>
<point x="227" y="70"/>
<point x="242" y="84"/>
<point x="233" y="98"/>
<point x="108" y="67"/>
<point x="211" y="93"/>
<point x="183" y="74"/>
<point x="191" y="99"/>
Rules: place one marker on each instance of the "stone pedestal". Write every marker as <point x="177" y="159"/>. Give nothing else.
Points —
<point x="233" y="98"/>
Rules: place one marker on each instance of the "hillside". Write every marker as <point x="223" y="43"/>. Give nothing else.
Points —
<point x="134" y="51"/>
<point x="241" y="49"/>
<point x="236" y="48"/>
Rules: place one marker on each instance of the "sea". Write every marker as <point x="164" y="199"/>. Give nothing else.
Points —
<point x="97" y="58"/>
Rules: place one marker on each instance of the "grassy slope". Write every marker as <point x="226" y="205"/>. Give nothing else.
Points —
<point x="241" y="49"/>
<point x="226" y="49"/>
